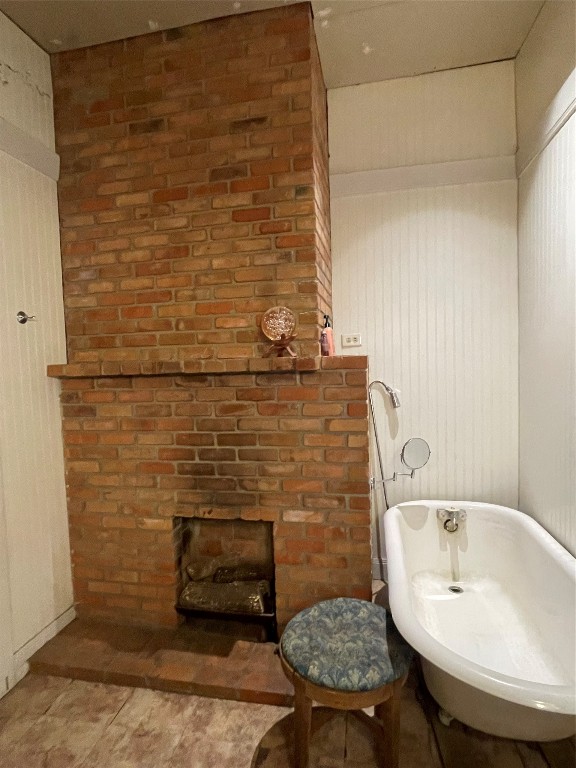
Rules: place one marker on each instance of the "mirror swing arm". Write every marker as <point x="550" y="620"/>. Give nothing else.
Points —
<point x="374" y="481"/>
<point x="396" y="475"/>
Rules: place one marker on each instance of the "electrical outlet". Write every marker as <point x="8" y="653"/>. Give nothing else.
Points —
<point x="351" y="340"/>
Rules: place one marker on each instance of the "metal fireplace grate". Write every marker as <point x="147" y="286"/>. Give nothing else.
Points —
<point x="245" y="597"/>
<point x="238" y="592"/>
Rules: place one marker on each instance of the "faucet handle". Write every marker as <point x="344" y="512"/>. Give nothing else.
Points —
<point x="450" y="513"/>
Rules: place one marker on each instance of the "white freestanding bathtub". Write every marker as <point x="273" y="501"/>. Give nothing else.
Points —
<point x="500" y="654"/>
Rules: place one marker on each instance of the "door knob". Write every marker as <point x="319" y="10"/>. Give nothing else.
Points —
<point x="22" y="317"/>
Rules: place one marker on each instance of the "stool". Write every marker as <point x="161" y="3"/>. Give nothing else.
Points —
<point x="346" y="654"/>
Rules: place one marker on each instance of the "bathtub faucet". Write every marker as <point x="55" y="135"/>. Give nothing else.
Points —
<point x="451" y="516"/>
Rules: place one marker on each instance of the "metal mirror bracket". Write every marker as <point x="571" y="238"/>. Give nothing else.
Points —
<point x="415" y="454"/>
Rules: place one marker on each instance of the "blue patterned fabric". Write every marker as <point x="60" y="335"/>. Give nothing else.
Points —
<point x="346" y="644"/>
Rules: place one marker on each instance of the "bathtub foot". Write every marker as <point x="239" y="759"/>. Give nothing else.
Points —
<point x="445" y="717"/>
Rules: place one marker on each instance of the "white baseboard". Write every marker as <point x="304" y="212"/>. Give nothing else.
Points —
<point x="21" y="656"/>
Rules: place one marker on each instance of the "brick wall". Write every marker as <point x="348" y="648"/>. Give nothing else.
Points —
<point x="288" y="448"/>
<point x="210" y="544"/>
<point x="193" y="190"/>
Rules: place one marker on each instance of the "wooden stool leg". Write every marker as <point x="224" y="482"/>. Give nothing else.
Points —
<point x="302" y="721"/>
<point x="388" y="713"/>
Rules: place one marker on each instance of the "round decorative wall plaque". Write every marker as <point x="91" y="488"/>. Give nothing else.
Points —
<point x="278" y="324"/>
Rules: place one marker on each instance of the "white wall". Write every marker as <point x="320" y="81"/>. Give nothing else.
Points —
<point x="425" y="268"/>
<point x="26" y="84"/>
<point x="428" y="277"/>
<point x="36" y="584"/>
<point x="546" y="101"/>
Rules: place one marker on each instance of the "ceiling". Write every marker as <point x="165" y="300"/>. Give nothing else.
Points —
<point x="360" y="41"/>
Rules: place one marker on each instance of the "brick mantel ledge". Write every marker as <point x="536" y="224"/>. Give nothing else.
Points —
<point x="108" y="368"/>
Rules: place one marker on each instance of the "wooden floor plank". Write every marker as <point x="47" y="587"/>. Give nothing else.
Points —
<point x="418" y="747"/>
<point x="461" y="746"/>
<point x="560" y="754"/>
<point x="531" y="755"/>
<point x="85" y="724"/>
<point x="33" y="696"/>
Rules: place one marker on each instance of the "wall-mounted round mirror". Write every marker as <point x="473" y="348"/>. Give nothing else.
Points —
<point x="415" y="453"/>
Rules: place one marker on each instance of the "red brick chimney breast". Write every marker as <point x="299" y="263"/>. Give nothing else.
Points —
<point x="194" y="189"/>
<point x="193" y="197"/>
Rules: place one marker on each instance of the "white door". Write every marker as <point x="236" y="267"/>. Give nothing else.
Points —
<point x="33" y="518"/>
<point x="6" y="666"/>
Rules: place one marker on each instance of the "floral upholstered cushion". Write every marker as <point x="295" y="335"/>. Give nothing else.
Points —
<point x="346" y="644"/>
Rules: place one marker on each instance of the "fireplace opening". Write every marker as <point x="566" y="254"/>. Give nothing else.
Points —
<point x="226" y="570"/>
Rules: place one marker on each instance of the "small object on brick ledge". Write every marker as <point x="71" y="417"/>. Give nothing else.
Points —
<point x="281" y="346"/>
<point x="278" y="324"/>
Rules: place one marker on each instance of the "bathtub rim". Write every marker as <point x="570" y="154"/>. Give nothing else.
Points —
<point x="541" y="696"/>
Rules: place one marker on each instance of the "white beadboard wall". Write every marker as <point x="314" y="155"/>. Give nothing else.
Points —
<point x="428" y="277"/>
<point x="546" y="102"/>
<point x="32" y="488"/>
<point x="547" y="246"/>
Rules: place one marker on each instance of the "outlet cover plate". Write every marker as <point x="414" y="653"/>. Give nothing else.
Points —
<point x="351" y="340"/>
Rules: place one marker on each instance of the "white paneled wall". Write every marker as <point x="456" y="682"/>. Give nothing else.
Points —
<point x="429" y="279"/>
<point x="546" y="104"/>
<point x="35" y="578"/>
<point x="547" y="245"/>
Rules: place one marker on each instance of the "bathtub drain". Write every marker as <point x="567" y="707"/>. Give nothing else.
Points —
<point x="456" y="590"/>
